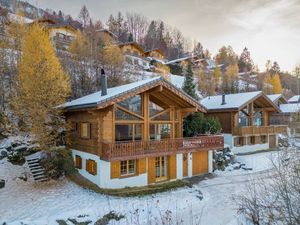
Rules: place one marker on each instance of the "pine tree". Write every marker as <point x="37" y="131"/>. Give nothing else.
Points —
<point x="42" y="86"/>
<point x="130" y="38"/>
<point x="275" y="69"/>
<point x="189" y="86"/>
<point x="245" y="62"/>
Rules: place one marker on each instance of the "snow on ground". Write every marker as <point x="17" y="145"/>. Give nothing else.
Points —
<point x="44" y="203"/>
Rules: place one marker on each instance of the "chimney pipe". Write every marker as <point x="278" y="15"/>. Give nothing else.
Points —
<point x="103" y="83"/>
<point x="223" y="99"/>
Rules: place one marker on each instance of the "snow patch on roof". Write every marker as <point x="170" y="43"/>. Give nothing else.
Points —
<point x="290" y="108"/>
<point x="294" y="98"/>
<point x="232" y="100"/>
<point x="96" y="97"/>
<point x="274" y="97"/>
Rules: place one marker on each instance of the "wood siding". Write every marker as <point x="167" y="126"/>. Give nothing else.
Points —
<point x="185" y="164"/>
<point x="151" y="170"/>
<point x="200" y="163"/>
<point x="225" y="119"/>
<point x="172" y="167"/>
<point x="142" y="163"/>
<point x="115" y="170"/>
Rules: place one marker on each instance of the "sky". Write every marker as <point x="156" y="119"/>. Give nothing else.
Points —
<point x="270" y="29"/>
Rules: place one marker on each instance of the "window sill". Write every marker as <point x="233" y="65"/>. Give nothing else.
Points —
<point x="128" y="175"/>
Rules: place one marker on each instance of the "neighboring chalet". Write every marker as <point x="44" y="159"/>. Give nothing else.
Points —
<point x="245" y="120"/>
<point x="278" y="99"/>
<point x="294" y="99"/>
<point x="155" y="54"/>
<point x="134" y="55"/>
<point x="131" y="135"/>
<point x="61" y="34"/>
<point x="105" y="34"/>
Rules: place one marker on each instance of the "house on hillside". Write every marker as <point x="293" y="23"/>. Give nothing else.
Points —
<point x="245" y="120"/>
<point x="155" y="54"/>
<point x="277" y="99"/>
<point x="294" y="99"/>
<point x="131" y="135"/>
<point x="134" y="56"/>
<point x="105" y="34"/>
<point x="61" y="34"/>
<point x="289" y="115"/>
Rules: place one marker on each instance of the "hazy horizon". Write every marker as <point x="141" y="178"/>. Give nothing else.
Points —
<point x="268" y="28"/>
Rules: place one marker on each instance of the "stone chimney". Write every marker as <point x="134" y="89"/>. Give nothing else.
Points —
<point x="223" y="99"/>
<point x="103" y="83"/>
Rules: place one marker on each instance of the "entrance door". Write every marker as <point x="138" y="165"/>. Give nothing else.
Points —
<point x="160" y="168"/>
<point x="185" y="164"/>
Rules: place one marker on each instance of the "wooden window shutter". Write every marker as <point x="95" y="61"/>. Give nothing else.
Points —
<point x="151" y="170"/>
<point x="89" y="130"/>
<point x="88" y="166"/>
<point x="115" y="169"/>
<point x="172" y="167"/>
<point x="141" y="164"/>
<point x="78" y="162"/>
<point x="94" y="167"/>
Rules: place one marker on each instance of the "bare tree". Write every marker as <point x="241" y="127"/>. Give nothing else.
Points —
<point x="275" y="199"/>
<point x="137" y="26"/>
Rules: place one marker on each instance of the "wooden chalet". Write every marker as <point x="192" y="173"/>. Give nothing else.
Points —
<point x="61" y="34"/>
<point x="245" y="120"/>
<point x="155" y="54"/>
<point x="131" y="135"/>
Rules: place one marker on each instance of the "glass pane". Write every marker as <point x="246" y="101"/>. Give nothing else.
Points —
<point x="123" y="167"/>
<point x="121" y="115"/>
<point x="138" y="132"/>
<point x="163" y="166"/>
<point x="157" y="167"/>
<point x="154" y="108"/>
<point x="258" y="119"/>
<point x="84" y="130"/>
<point x="131" y="166"/>
<point x="124" y="132"/>
<point x="163" y="117"/>
<point x="152" y="131"/>
<point x="243" y="120"/>
<point x="133" y="104"/>
<point x="164" y="130"/>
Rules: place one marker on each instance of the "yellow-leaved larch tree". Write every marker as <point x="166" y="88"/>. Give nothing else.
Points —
<point x="42" y="85"/>
<point x="276" y="83"/>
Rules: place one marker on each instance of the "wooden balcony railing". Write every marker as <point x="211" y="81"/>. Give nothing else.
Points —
<point x="139" y="149"/>
<point x="249" y="130"/>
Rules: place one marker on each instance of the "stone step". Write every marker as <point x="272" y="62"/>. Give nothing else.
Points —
<point x="32" y="167"/>
<point x="37" y="171"/>
<point x="42" y="180"/>
<point x="33" y="160"/>
<point x="33" y="164"/>
<point x="39" y="176"/>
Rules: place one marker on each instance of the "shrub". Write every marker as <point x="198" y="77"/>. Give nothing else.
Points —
<point x="196" y="124"/>
<point x="58" y="163"/>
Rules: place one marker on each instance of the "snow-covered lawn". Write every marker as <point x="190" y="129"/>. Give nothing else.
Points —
<point x="44" y="203"/>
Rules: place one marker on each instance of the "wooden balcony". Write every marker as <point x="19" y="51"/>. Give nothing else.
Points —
<point x="140" y="149"/>
<point x="254" y="130"/>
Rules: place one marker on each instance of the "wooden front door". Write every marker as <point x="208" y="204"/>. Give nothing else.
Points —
<point x="160" y="168"/>
<point x="200" y="162"/>
<point x="185" y="164"/>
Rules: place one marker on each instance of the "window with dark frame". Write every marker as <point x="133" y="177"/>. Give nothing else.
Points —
<point x="252" y="140"/>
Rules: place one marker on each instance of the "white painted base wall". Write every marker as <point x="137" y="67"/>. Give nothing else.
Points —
<point x="103" y="176"/>
<point x="229" y="140"/>
<point x="102" y="179"/>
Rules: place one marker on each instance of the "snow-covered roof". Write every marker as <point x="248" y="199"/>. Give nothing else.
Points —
<point x="274" y="97"/>
<point x="295" y="98"/>
<point x="96" y="99"/>
<point x="177" y="80"/>
<point x="179" y="60"/>
<point x="233" y="101"/>
<point x="290" y="108"/>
